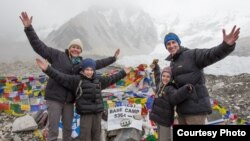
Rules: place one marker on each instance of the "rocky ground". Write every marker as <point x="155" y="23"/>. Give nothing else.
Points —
<point x="6" y="121"/>
<point x="232" y="92"/>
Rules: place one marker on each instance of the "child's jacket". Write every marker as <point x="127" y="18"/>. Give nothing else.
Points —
<point x="167" y="97"/>
<point x="88" y="91"/>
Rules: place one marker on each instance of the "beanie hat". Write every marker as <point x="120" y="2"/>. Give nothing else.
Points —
<point x="167" y="69"/>
<point x="88" y="63"/>
<point x="76" y="42"/>
<point x="172" y="36"/>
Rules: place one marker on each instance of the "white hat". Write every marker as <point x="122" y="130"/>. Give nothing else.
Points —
<point x="76" y="42"/>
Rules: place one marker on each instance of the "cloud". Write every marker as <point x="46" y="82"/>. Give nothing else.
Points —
<point x="52" y="13"/>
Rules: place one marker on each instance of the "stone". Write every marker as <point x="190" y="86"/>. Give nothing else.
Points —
<point x="129" y="134"/>
<point x="25" y="123"/>
<point x="17" y="138"/>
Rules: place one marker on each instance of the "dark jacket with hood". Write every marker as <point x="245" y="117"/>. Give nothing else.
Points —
<point x="88" y="90"/>
<point x="167" y="97"/>
<point x="187" y="67"/>
<point x="61" y="61"/>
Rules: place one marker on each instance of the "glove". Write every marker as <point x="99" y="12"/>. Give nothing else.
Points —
<point x="155" y="61"/>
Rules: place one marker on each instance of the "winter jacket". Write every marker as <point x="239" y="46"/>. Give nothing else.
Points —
<point x="187" y="67"/>
<point x="87" y="90"/>
<point x="59" y="60"/>
<point x="167" y="97"/>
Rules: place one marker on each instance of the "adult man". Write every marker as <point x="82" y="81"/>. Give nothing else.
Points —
<point x="187" y="67"/>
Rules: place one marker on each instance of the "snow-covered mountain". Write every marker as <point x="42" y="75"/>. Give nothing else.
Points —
<point x="202" y="32"/>
<point x="102" y="30"/>
<point x="243" y="47"/>
<point x="231" y="65"/>
<point x="140" y="35"/>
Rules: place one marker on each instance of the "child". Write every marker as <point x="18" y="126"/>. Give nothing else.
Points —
<point x="87" y="87"/>
<point x="166" y="97"/>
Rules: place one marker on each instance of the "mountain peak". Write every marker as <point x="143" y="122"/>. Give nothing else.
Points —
<point x="103" y="30"/>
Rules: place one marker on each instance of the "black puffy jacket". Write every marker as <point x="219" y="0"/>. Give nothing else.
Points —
<point x="59" y="60"/>
<point x="88" y="91"/>
<point x="187" y="67"/>
<point x="167" y="97"/>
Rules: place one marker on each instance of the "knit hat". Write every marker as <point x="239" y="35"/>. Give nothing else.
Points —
<point x="88" y="63"/>
<point x="168" y="70"/>
<point x="172" y="36"/>
<point x="76" y="42"/>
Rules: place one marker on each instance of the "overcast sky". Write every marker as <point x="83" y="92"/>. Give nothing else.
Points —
<point x="47" y="13"/>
